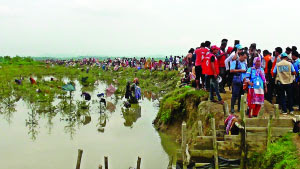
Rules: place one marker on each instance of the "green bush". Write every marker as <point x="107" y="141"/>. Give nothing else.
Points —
<point x="172" y="106"/>
<point x="281" y="154"/>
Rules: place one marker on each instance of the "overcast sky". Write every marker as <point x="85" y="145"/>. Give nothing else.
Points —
<point x="142" y="27"/>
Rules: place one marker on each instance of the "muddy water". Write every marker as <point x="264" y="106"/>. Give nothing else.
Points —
<point x="32" y="139"/>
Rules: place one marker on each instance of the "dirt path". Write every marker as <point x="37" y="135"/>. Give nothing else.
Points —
<point x="267" y="107"/>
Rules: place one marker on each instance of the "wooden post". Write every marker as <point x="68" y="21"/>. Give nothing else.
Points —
<point x="138" y="166"/>
<point x="100" y="166"/>
<point x="276" y="106"/>
<point x="79" y="158"/>
<point x="242" y="107"/>
<point x="243" y="133"/>
<point x="183" y="144"/>
<point x="269" y="130"/>
<point x="188" y="156"/>
<point x="200" y="128"/>
<point x="260" y="114"/>
<point x="170" y="163"/>
<point x="106" y="162"/>
<point x="226" y="110"/>
<point x="213" y="127"/>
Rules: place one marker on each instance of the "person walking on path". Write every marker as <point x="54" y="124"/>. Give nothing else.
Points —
<point x="211" y="68"/>
<point x="257" y="83"/>
<point x="285" y="72"/>
<point x="238" y="69"/>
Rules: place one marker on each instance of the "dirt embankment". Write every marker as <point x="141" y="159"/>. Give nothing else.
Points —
<point x="189" y="105"/>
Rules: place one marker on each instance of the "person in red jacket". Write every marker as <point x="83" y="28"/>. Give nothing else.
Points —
<point x="221" y="56"/>
<point x="211" y="69"/>
<point x="200" y="53"/>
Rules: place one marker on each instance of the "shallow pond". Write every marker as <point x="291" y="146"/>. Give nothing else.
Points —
<point x="32" y="139"/>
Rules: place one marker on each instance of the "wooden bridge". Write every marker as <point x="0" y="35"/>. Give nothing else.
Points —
<point x="255" y="134"/>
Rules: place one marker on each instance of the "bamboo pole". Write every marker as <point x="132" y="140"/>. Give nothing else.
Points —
<point x="276" y="106"/>
<point x="260" y="114"/>
<point x="139" y="163"/>
<point x="226" y="110"/>
<point x="213" y="126"/>
<point x="183" y="144"/>
<point x="200" y="128"/>
<point x="243" y="133"/>
<point x="79" y="158"/>
<point x="106" y="162"/>
<point x="269" y="130"/>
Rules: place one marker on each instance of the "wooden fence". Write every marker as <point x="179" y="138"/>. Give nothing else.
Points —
<point x="255" y="135"/>
<point x="80" y="152"/>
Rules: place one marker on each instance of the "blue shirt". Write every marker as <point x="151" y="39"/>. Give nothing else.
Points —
<point x="257" y="81"/>
<point x="242" y="65"/>
<point x="296" y="65"/>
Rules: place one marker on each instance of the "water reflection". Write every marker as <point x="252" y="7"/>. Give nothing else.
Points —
<point x="110" y="107"/>
<point x="70" y="127"/>
<point x="71" y="108"/>
<point x="50" y="123"/>
<point x="150" y="96"/>
<point x="86" y="120"/>
<point x="103" y="118"/>
<point x="7" y="108"/>
<point x="131" y="114"/>
<point x="72" y="122"/>
<point x="32" y="123"/>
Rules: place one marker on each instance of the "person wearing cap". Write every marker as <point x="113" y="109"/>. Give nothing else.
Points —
<point x="238" y="69"/>
<point x="273" y="88"/>
<point x="233" y="56"/>
<point x="211" y="69"/>
<point x="285" y="72"/>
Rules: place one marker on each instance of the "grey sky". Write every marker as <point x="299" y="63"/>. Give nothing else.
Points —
<point x="142" y="27"/>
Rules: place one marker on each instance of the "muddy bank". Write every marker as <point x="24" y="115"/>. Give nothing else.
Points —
<point x="189" y="105"/>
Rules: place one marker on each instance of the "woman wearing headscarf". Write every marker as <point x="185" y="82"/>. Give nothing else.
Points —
<point x="256" y="85"/>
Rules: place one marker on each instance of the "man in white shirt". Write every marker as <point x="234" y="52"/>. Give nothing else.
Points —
<point x="233" y="56"/>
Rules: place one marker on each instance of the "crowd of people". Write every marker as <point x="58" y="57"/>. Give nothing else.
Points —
<point x="263" y="75"/>
<point x="169" y="63"/>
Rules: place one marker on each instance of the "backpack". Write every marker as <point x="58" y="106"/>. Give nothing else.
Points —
<point x="237" y="76"/>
